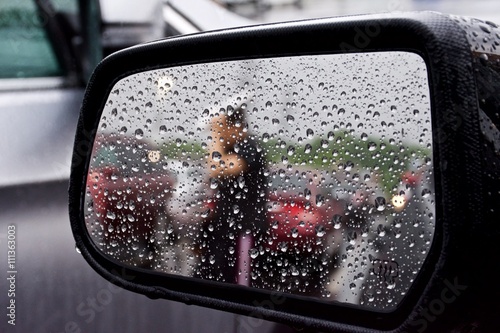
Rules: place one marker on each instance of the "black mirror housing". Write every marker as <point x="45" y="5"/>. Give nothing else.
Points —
<point x="457" y="279"/>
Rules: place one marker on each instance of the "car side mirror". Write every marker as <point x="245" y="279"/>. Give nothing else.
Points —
<point x="335" y="173"/>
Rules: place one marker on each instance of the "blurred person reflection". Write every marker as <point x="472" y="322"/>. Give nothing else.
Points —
<point x="235" y="227"/>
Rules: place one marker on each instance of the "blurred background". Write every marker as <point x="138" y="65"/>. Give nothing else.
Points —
<point x="280" y="10"/>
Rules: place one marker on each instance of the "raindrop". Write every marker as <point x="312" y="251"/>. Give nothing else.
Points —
<point x="320" y="230"/>
<point x="290" y="119"/>
<point x="163" y="129"/>
<point x="351" y="237"/>
<point x="381" y="230"/>
<point x="205" y="213"/>
<point x="426" y="193"/>
<point x="139" y="134"/>
<point x="337" y="221"/>
<point x="283" y="246"/>
<point x="380" y="203"/>
<point x="241" y="182"/>
<point x="309" y="133"/>
<point x="254" y="253"/>
<point x="216" y="156"/>
<point x="320" y="200"/>
<point x="214" y="183"/>
<point x="307" y="148"/>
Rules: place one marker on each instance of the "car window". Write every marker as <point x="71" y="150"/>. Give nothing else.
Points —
<point x="25" y="50"/>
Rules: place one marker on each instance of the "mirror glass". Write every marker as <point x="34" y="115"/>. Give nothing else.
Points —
<point x="309" y="175"/>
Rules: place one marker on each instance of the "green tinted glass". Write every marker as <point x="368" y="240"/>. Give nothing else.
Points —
<point x="25" y="50"/>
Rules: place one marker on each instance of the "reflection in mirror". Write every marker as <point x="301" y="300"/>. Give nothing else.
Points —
<point x="309" y="175"/>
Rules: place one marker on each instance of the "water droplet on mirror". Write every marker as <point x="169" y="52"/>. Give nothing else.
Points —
<point x="254" y="253"/>
<point x="351" y="237"/>
<point x="290" y="119"/>
<point x="337" y="221"/>
<point x="241" y="182"/>
<point x="320" y="230"/>
<point x="310" y="133"/>
<point x="381" y="230"/>
<point x="216" y="156"/>
<point x="205" y="213"/>
<point x="320" y="200"/>
<point x="426" y="193"/>
<point x="163" y="129"/>
<point x="380" y="203"/>
<point x="291" y="150"/>
<point x="283" y="246"/>
<point x="214" y="183"/>
<point x="110" y="215"/>
<point x="307" y="193"/>
<point x="372" y="146"/>
<point x="307" y="148"/>
<point x="139" y="134"/>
